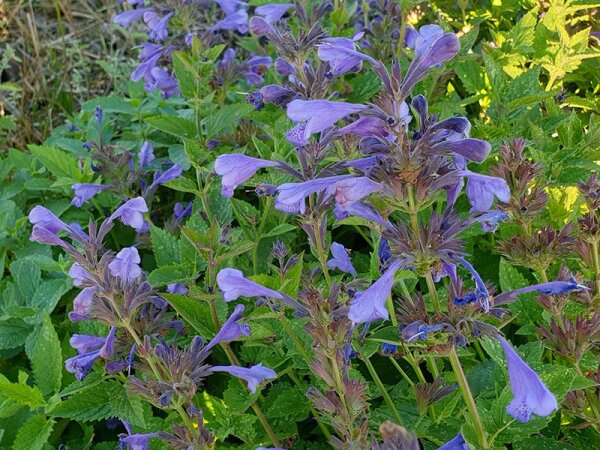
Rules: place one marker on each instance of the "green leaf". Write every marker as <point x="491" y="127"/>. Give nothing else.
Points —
<point x="125" y="406"/>
<point x="59" y="163"/>
<point x="195" y="312"/>
<point x="34" y="433"/>
<point x="22" y="394"/>
<point x="182" y="184"/>
<point x="92" y="403"/>
<point x="45" y="354"/>
<point x="172" y="273"/>
<point x="27" y="275"/>
<point x="225" y="119"/>
<point x="13" y="333"/>
<point x="175" y="125"/>
<point x="280" y="229"/>
<point x="165" y="246"/>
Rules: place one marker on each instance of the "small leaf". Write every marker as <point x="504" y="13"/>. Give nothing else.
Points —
<point x="34" y="433"/>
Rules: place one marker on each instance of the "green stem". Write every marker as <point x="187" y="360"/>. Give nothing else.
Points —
<point x="382" y="389"/>
<point x="261" y="227"/>
<point x="390" y="307"/>
<point x="321" y="253"/>
<point x="402" y="372"/>
<point x="596" y="266"/>
<point x="433" y="292"/>
<point x="295" y="340"/>
<point x="314" y="413"/>
<point x="233" y="360"/>
<point x="468" y="397"/>
<point x="413" y="363"/>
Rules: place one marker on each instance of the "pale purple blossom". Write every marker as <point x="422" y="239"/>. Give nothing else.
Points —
<point x="126" y="264"/>
<point x="81" y="365"/>
<point x="236" y="169"/>
<point x="549" y="288"/>
<point x="530" y="394"/>
<point x="234" y="285"/>
<point x="456" y="443"/>
<point x="341" y="54"/>
<point x="175" y="171"/>
<point x="146" y="154"/>
<point x="341" y="260"/>
<point x="157" y="25"/>
<point x="253" y="375"/>
<point x="79" y="275"/>
<point x="131" y="213"/>
<point x="84" y="191"/>
<point x="315" y="116"/>
<point x="370" y="305"/>
<point x="231" y="329"/>
<point x="273" y="12"/>
<point x="126" y="18"/>
<point x="82" y="304"/>
<point x="291" y="197"/>
<point x="481" y="190"/>
<point x="177" y="288"/>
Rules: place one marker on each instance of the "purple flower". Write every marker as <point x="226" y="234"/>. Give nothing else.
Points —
<point x="157" y="25"/>
<point x="126" y="18"/>
<point x="82" y="304"/>
<point x="180" y="213"/>
<point x="177" y="288"/>
<point x="360" y="210"/>
<point x="489" y="220"/>
<point x="315" y="116"/>
<point x="273" y="12"/>
<point x="81" y="365"/>
<point x="456" y="443"/>
<point x="79" y="275"/>
<point x="228" y="56"/>
<point x="341" y="260"/>
<point x="351" y="190"/>
<point x="170" y="174"/>
<point x="341" y="54"/>
<point x="439" y="50"/>
<point x="426" y="35"/>
<point x="137" y="441"/>
<point x="45" y="236"/>
<point x="126" y="264"/>
<point x="550" y="288"/>
<point x="234" y="285"/>
<point x="365" y="126"/>
<point x="231" y="6"/>
<point x="85" y="191"/>
<point x="47" y="219"/>
<point x="259" y="27"/>
<point x="236" y="169"/>
<point x="255" y="67"/>
<point x="481" y="190"/>
<point x="236" y="21"/>
<point x="84" y="343"/>
<point x="158" y="78"/>
<point x="418" y="330"/>
<point x="472" y="149"/>
<point x="480" y="294"/>
<point x="131" y="213"/>
<point x="253" y="375"/>
<point x="108" y="349"/>
<point x="231" y="329"/>
<point x="291" y="197"/>
<point x="276" y="94"/>
<point x="283" y="67"/>
<point x="530" y="394"/>
<point x="146" y="154"/>
<point x="149" y="55"/>
<point x="369" y="306"/>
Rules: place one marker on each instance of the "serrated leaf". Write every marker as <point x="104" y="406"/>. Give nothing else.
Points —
<point x="175" y="125"/>
<point x="182" y="184"/>
<point x="281" y="229"/>
<point x="13" y="333"/>
<point x="165" y="246"/>
<point x="194" y="312"/>
<point x="172" y="273"/>
<point x="45" y="354"/>
<point x="22" y="394"/>
<point x="125" y="406"/>
<point x="58" y="162"/>
<point x="34" y="433"/>
<point x="92" y="403"/>
<point x="27" y="276"/>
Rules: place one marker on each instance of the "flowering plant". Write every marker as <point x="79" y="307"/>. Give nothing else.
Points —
<point x="289" y="237"/>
